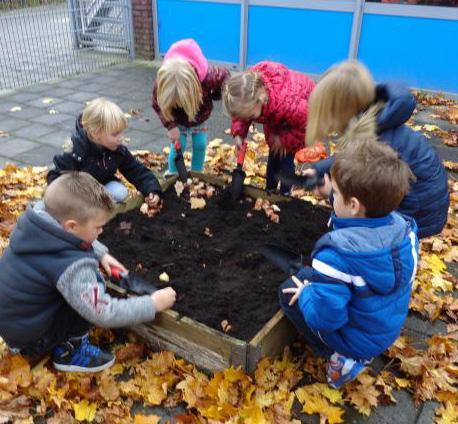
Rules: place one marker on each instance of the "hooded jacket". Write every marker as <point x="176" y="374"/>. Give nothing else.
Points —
<point x="358" y="297"/>
<point x="84" y="155"/>
<point x="428" y="199"/>
<point x="44" y="268"/>
<point x="285" y="113"/>
<point x="211" y="78"/>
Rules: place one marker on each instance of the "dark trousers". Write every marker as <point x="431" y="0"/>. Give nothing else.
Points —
<point x="67" y="324"/>
<point x="295" y="315"/>
<point x="275" y="165"/>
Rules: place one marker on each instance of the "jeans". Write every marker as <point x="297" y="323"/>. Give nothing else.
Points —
<point x="199" y="136"/>
<point x="275" y="165"/>
<point x="117" y="190"/>
<point x="67" y="324"/>
<point x="294" y="314"/>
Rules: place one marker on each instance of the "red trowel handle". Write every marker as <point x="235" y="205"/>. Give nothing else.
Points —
<point x="117" y="273"/>
<point x="241" y="154"/>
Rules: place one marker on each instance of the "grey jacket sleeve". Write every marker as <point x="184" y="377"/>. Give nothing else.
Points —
<point x="99" y="249"/>
<point x="79" y="286"/>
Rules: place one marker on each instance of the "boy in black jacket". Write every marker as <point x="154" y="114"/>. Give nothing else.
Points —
<point x="96" y="148"/>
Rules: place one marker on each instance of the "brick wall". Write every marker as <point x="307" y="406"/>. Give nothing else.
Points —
<point x="143" y="29"/>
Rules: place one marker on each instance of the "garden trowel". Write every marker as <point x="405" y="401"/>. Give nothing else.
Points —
<point x="238" y="175"/>
<point x="284" y="259"/>
<point x="307" y="182"/>
<point x="179" y="162"/>
<point x="132" y="282"/>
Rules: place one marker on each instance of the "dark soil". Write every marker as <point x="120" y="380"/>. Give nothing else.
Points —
<point x="223" y="277"/>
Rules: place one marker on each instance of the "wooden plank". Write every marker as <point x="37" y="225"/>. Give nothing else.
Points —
<point x="194" y="341"/>
<point x="270" y="340"/>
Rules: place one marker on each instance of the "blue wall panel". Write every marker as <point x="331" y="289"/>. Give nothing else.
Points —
<point x="306" y="40"/>
<point x="421" y="52"/>
<point x="215" y="26"/>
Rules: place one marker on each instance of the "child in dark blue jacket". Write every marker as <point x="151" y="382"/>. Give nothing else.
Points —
<point x="346" y="102"/>
<point x="352" y="302"/>
<point x="96" y="148"/>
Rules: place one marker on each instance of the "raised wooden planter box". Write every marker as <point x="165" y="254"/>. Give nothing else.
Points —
<point x="209" y="349"/>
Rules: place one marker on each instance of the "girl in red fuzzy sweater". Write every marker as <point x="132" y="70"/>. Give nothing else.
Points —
<point x="273" y="95"/>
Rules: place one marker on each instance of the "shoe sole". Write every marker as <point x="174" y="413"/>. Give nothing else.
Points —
<point x="76" y="368"/>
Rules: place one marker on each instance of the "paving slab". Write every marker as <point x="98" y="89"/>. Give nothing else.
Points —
<point x="13" y="147"/>
<point x="55" y="139"/>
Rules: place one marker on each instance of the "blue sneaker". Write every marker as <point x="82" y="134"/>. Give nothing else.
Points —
<point x="341" y="370"/>
<point x="79" y="355"/>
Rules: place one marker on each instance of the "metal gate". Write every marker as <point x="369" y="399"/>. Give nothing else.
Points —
<point x="42" y="40"/>
<point x="102" y="23"/>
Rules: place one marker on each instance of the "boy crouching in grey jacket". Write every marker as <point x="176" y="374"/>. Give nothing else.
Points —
<point x="51" y="290"/>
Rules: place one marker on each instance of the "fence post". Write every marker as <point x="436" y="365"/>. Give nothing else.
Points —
<point x="358" y="13"/>
<point x="155" y="30"/>
<point x="130" y="28"/>
<point x="243" y="34"/>
<point x="75" y="22"/>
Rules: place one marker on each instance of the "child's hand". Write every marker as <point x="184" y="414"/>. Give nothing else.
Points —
<point x="153" y="200"/>
<point x="108" y="262"/>
<point x="174" y="134"/>
<point x="296" y="291"/>
<point x="164" y="299"/>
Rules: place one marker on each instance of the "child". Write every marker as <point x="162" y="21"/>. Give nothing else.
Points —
<point x="353" y="300"/>
<point x="347" y="102"/>
<point x="96" y="148"/>
<point x="183" y="95"/>
<point x="51" y="291"/>
<point x="271" y="94"/>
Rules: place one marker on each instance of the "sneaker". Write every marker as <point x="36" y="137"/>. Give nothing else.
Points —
<point x="341" y="370"/>
<point x="79" y="355"/>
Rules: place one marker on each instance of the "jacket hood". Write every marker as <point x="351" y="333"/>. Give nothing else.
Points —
<point x="393" y="107"/>
<point x="190" y="51"/>
<point x="399" y="104"/>
<point x="37" y="232"/>
<point x="370" y="246"/>
<point x="80" y="143"/>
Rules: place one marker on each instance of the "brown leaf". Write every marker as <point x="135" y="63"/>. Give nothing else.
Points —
<point x="130" y="351"/>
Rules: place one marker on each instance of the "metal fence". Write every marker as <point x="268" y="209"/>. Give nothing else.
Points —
<point x="41" y="40"/>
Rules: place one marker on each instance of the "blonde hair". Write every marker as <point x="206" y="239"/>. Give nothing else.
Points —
<point x="242" y="92"/>
<point x="342" y="93"/>
<point x="373" y="173"/>
<point x="102" y="115"/>
<point x="178" y="86"/>
<point x="76" y="195"/>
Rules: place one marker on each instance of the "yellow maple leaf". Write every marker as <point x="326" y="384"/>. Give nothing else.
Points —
<point x="333" y="395"/>
<point x="146" y="419"/>
<point x="253" y="415"/>
<point x="84" y="411"/>
<point x="447" y="414"/>
<point x="440" y="283"/>
<point x="313" y="402"/>
<point x="435" y="264"/>
<point x="429" y="127"/>
<point x="402" y="383"/>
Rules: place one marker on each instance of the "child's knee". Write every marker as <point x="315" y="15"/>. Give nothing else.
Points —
<point x="117" y="190"/>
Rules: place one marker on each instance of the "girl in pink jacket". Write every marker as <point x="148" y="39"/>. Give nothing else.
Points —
<point x="273" y="95"/>
<point x="183" y="95"/>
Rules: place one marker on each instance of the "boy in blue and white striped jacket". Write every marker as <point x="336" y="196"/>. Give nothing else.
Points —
<point x="352" y="302"/>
